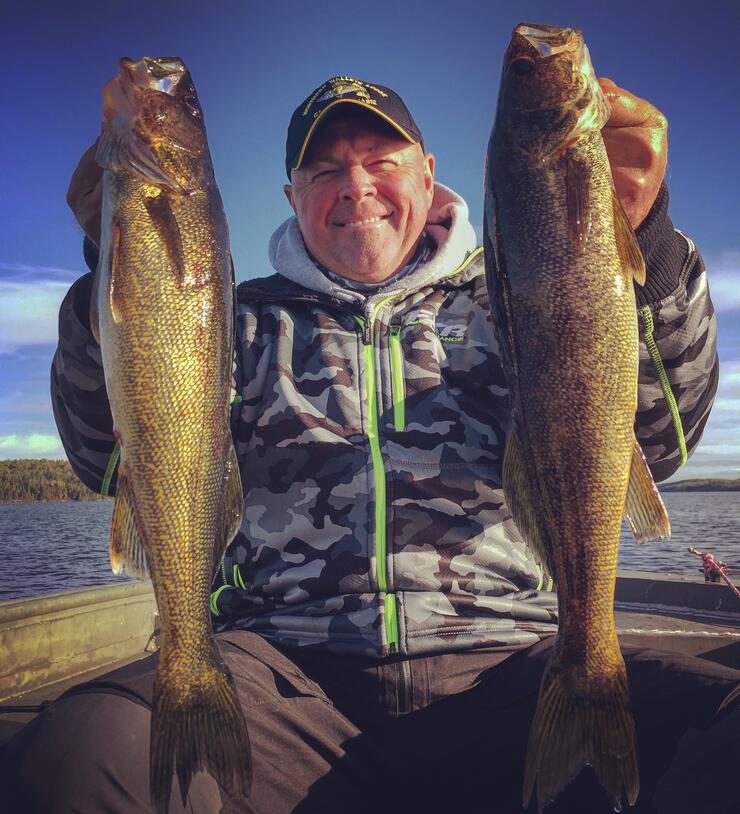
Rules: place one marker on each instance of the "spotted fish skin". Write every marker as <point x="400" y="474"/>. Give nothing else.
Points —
<point x="162" y="310"/>
<point x="560" y="263"/>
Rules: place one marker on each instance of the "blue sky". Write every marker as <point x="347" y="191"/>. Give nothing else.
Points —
<point x="253" y="62"/>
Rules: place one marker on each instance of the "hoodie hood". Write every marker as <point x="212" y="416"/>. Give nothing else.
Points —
<point x="447" y="224"/>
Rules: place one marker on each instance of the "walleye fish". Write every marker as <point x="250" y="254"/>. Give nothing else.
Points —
<point x="560" y="262"/>
<point x="162" y="311"/>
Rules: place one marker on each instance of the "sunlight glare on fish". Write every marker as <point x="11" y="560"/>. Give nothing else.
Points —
<point x="618" y="285"/>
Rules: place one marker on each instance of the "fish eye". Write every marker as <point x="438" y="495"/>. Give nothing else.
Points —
<point x="522" y="66"/>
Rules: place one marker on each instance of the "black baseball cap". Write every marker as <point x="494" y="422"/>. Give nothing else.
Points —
<point x="344" y="89"/>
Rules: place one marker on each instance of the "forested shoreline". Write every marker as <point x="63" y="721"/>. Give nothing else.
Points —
<point x="702" y="485"/>
<point x="34" y="481"/>
<point x="31" y="481"/>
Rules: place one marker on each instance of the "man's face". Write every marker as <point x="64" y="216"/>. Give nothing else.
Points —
<point x="362" y="196"/>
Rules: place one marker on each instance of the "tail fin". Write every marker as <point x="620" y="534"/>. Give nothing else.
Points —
<point x="198" y="728"/>
<point x="573" y="728"/>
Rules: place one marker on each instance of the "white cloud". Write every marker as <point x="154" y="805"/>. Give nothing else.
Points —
<point x="32" y="445"/>
<point x="718" y="453"/>
<point x="724" y="281"/>
<point x="26" y="273"/>
<point x="29" y="313"/>
<point x="29" y="303"/>
<point x="729" y="377"/>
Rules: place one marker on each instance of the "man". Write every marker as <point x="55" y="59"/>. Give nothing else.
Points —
<point x="384" y="621"/>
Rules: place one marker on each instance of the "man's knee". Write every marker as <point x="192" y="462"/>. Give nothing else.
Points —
<point x="88" y="752"/>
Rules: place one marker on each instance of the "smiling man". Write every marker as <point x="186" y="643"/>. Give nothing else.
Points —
<point x="361" y="194"/>
<point x="386" y="625"/>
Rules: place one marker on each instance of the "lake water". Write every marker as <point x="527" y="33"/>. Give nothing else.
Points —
<point x="48" y="547"/>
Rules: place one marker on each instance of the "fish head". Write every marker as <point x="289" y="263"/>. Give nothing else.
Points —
<point x="549" y="90"/>
<point x="153" y="124"/>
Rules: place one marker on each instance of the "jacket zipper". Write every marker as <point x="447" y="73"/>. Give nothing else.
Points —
<point x="390" y="610"/>
<point x="399" y="387"/>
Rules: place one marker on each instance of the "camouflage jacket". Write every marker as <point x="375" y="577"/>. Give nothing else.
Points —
<point x="370" y="433"/>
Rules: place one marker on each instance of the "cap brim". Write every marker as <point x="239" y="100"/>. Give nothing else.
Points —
<point x="333" y="104"/>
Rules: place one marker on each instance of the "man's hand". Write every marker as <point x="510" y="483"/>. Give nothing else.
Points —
<point x="636" y="141"/>
<point x="85" y="194"/>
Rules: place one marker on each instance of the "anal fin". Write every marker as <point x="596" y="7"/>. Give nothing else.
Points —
<point x="644" y="510"/>
<point x="233" y="507"/>
<point x="519" y="500"/>
<point x="126" y="547"/>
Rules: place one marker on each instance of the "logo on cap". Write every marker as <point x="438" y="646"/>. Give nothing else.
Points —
<point x="340" y="88"/>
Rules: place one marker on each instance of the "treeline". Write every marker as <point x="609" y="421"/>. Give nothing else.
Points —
<point x="703" y="485"/>
<point x="26" y="481"/>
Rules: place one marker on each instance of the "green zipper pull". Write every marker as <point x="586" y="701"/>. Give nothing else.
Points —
<point x="648" y="326"/>
<point x="398" y="383"/>
<point x="390" y="617"/>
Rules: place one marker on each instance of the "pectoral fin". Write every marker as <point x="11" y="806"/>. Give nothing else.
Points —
<point x="126" y="547"/>
<point x="112" y="258"/>
<point x="94" y="318"/>
<point x="165" y="223"/>
<point x="134" y="155"/>
<point x="519" y="500"/>
<point x="578" y="199"/>
<point x="644" y="510"/>
<point x="629" y="252"/>
<point x="233" y="507"/>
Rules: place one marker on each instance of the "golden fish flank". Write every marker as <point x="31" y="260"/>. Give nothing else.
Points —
<point x="560" y="260"/>
<point x="162" y="312"/>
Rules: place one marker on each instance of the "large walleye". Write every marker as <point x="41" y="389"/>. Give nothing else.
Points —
<point x="162" y="311"/>
<point x="560" y="261"/>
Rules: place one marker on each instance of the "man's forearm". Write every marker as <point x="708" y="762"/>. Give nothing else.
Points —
<point x="678" y="358"/>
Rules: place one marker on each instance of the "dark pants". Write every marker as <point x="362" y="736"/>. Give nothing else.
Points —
<point x="326" y="737"/>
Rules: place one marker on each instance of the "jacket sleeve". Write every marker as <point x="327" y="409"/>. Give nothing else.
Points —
<point x="78" y="395"/>
<point x="679" y="369"/>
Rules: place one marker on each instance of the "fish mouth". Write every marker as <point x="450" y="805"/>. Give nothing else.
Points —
<point x="532" y="43"/>
<point x="547" y="40"/>
<point x="563" y="78"/>
<point x="139" y="79"/>
<point x="162" y="74"/>
<point x="150" y="105"/>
